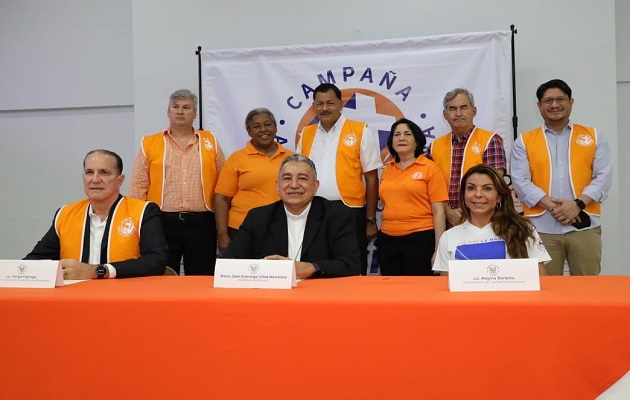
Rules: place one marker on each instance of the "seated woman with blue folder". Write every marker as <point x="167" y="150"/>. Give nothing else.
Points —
<point x="491" y="227"/>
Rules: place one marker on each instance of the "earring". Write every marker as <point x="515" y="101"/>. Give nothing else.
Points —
<point x="499" y="206"/>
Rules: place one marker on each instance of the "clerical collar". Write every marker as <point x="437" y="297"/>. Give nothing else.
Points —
<point x="302" y="215"/>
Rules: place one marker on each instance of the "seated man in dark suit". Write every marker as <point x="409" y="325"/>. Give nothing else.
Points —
<point x="316" y="233"/>
<point x="106" y="235"/>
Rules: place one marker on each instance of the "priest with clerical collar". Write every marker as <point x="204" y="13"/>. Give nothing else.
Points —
<point x="316" y="233"/>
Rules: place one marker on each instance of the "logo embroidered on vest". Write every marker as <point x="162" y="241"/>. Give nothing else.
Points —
<point x="416" y="176"/>
<point x="350" y="140"/>
<point x="584" y="140"/>
<point x="207" y="144"/>
<point x="476" y="148"/>
<point x="126" y="227"/>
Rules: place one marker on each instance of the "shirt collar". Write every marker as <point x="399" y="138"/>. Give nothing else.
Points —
<point x="167" y="131"/>
<point x="335" y="128"/>
<point x="250" y="149"/>
<point x="300" y="216"/>
<point x="567" y="128"/>
<point x="95" y="218"/>
<point x="465" y="136"/>
<point x="420" y="160"/>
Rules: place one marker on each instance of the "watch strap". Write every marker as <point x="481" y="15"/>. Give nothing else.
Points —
<point x="580" y="204"/>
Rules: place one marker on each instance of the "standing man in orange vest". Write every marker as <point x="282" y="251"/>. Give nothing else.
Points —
<point x="105" y="235"/>
<point x="562" y="172"/>
<point x="177" y="169"/>
<point x="462" y="148"/>
<point x="347" y="157"/>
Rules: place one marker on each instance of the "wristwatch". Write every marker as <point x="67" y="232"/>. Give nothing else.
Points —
<point x="580" y="204"/>
<point x="101" y="270"/>
<point x="371" y="221"/>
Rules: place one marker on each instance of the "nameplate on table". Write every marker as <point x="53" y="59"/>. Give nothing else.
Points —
<point x="30" y="273"/>
<point x="258" y="274"/>
<point x="493" y="275"/>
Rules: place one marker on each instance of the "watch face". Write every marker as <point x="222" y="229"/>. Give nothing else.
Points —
<point x="100" y="271"/>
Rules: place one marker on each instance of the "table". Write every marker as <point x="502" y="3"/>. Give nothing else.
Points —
<point x="345" y="338"/>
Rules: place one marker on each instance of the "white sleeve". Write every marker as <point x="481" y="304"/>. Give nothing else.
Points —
<point x="442" y="256"/>
<point x="298" y="145"/>
<point x="370" y="151"/>
<point x="112" y="271"/>
<point x="536" y="249"/>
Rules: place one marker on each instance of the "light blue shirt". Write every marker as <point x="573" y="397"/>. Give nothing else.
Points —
<point x="558" y="144"/>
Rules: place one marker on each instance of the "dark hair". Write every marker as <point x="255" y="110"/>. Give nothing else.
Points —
<point x="325" y="88"/>
<point x="118" y="164"/>
<point x="507" y="224"/>
<point x="417" y="134"/>
<point x="553" y="84"/>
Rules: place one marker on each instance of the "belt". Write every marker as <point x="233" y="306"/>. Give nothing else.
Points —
<point x="186" y="216"/>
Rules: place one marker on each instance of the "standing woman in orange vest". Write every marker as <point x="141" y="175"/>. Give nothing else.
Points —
<point x="414" y="194"/>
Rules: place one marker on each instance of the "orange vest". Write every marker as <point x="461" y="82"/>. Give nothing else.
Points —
<point x="582" y="145"/>
<point x="153" y="148"/>
<point x="123" y="241"/>
<point x="348" y="170"/>
<point x="442" y="151"/>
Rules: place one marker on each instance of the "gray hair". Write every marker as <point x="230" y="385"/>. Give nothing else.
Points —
<point x="299" y="158"/>
<point x="453" y="93"/>
<point x="255" y="112"/>
<point x="183" y="94"/>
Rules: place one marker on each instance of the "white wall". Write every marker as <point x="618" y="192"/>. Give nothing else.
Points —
<point x="41" y="156"/>
<point x="65" y="53"/>
<point x="623" y="117"/>
<point x="573" y="40"/>
<point x="65" y="88"/>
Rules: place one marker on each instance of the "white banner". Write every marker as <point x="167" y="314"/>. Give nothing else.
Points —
<point x="381" y="81"/>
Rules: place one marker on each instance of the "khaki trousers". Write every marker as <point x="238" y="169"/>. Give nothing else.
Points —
<point x="582" y="250"/>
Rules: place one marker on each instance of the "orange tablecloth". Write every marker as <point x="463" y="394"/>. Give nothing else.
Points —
<point x="346" y="338"/>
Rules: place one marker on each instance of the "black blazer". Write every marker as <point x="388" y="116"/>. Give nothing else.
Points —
<point x="329" y="239"/>
<point x="153" y="248"/>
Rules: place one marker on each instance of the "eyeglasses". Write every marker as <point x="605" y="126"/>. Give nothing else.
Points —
<point x="559" y="101"/>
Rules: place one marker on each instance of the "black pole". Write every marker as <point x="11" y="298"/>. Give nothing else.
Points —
<point x="514" y="115"/>
<point x="198" y="53"/>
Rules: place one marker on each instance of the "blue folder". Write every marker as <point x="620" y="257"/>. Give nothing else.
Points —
<point x="481" y="251"/>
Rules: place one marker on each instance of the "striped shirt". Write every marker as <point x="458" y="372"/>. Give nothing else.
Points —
<point x="183" y="190"/>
